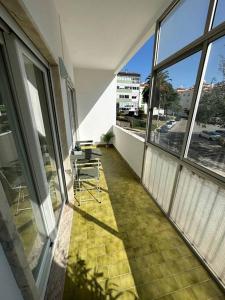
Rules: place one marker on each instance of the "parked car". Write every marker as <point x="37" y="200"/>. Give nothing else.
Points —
<point x="210" y="135"/>
<point x="221" y="132"/>
<point x="215" y="120"/>
<point x="170" y="124"/>
<point x="163" y="129"/>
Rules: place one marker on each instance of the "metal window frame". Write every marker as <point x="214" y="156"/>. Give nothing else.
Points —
<point x="9" y="25"/>
<point x="18" y="258"/>
<point x="200" y="44"/>
<point x="16" y="51"/>
<point x="72" y="99"/>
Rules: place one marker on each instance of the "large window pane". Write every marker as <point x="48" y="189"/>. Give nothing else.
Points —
<point x="182" y="26"/>
<point x="25" y="212"/>
<point x="171" y="103"/>
<point x="220" y="13"/>
<point x="38" y="100"/>
<point x="207" y="145"/>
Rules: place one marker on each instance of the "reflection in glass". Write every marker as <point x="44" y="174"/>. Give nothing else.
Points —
<point x="220" y="13"/>
<point x="183" y="25"/>
<point x="27" y="219"/>
<point x="71" y="114"/>
<point x="171" y="103"/>
<point x="35" y="81"/>
<point x="207" y="146"/>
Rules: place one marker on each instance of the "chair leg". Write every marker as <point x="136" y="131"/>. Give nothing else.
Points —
<point x="18" y="202"/>
<point x="99" y="192"/>
<point x="76" y="189"/>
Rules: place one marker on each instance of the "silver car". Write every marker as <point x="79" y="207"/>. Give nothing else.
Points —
<point x="210" y="135"/>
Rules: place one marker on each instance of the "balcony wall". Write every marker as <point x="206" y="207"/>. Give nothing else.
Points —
<point x="131" y="148"/>
<point x="96" y="107"/>
<point x="194" y="203"/>
<point x="159" y="176"/>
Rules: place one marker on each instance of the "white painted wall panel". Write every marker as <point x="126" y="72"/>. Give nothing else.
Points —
<point x="147" y="167"/>
<point x="96" y="102"/>
<point x="199" y="212"/>
<point x="159" y="175"/>
<point x="131" y="148"/>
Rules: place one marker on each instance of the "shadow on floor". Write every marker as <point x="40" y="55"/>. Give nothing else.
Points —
<point x="126" y="245"/>
<point x="90" y="218"/>
<point x="87" y="283"/>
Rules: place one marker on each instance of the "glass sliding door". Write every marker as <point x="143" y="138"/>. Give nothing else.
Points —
<point x="38" y="101"/>
<point x="70" y="100"/>
<point x="33" y="106"/>
<point x="14" y="180"/>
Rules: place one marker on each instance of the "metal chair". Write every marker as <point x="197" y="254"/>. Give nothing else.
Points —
<point x="19" y="188"/>
<point x="86" y="178"/>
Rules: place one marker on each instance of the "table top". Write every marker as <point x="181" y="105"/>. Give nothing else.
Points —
<point x="84" y="147"/>
<point x="94" y="153"/>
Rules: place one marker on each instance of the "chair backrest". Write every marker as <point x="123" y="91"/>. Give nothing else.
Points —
<point x="82" y="143"/>
<point x="84" y="165"/>
<point x="4" y="179"/>
<point x="9" y="191"/>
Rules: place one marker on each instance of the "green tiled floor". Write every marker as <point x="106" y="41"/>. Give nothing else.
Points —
<point x="124" y="248"/>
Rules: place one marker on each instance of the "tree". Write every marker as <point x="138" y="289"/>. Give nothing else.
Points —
<point x="145" y="92"/>
<point x="212" y="103"/>
<point x="166" y="97"/>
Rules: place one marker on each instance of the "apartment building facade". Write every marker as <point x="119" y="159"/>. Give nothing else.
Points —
<point x="128" y="90"/>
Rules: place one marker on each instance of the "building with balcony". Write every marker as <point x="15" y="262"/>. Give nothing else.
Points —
<point x="128" y="90"/>
<point x="155" y="225"/>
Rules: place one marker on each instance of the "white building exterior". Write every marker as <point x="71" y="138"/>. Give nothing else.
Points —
<point x="186" y="95"/>
<point x="128" y="89"/>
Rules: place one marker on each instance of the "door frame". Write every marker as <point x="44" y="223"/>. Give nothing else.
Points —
<point x="15" y="50"/>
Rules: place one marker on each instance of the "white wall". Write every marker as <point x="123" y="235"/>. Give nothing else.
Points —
<point x="96" y="102"/>
<point x="131" y="147"/>
<point x="8" y="287"/>
<point x="46" y="18"/>
<point x="159" y="176"/>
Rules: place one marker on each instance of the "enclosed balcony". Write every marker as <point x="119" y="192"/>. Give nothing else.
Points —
<point x="153" y="227"/>
<point x="125" y="248"/>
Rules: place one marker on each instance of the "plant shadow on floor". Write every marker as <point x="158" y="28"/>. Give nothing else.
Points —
<point x="83" y="284"/>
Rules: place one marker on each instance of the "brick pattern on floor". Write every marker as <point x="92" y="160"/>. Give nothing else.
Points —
<point x="125" y="248"/>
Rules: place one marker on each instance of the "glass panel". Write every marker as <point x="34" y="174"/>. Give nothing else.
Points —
<point x="207" y="146"/>
<point x="71" y="113"/>
<point x="28" y="220"/>
<point x="35" y="81"/>
<point x="171" y="103"/>
<point x="182" y="26"/>
<point x="220" y="13"/>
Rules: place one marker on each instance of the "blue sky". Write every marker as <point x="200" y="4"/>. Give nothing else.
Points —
<point x="141" y="62"/>
<point x="182" y="74"/>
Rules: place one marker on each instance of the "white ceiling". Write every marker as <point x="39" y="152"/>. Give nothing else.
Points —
<point x="104" y="34"/>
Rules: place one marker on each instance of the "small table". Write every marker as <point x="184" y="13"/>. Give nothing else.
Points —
<point x="87" y="153"/>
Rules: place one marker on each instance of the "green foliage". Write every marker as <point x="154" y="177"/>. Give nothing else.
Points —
<point x="165" y="95"/>
<point x="107" y="137"/>
<point x="138" y="123"/>
<point x="212" y="104"/>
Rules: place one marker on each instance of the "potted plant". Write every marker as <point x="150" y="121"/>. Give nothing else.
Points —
<point x="107" y="137"/>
